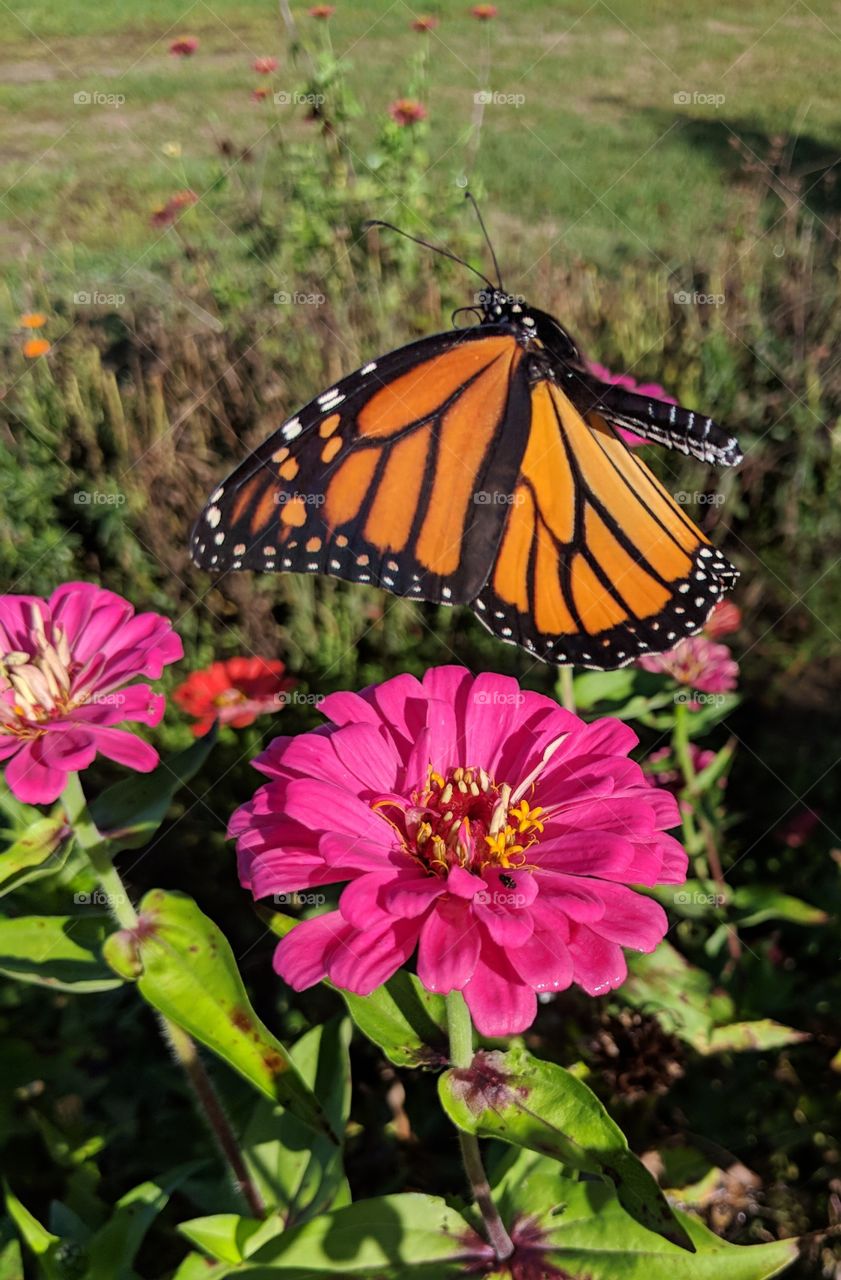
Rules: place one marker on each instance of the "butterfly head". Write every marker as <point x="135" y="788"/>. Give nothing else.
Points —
<point x="498" y="307"/>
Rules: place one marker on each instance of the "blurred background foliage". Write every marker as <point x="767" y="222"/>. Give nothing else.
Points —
<point x="613" y="193"/>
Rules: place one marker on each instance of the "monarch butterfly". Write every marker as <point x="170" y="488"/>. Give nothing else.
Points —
<point x="483" y="466"/>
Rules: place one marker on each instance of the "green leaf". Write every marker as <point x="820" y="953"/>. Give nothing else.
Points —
<point x="762" y="902"/>
<point x="300" y="1175"/>
<point x="40" y="850"/>
<point x="594" y="687"/>
<point x="762" y="1034"/>
<point x="530" y="1103"/>
<point x="62" y="952"/>
<point x="11" y="1261"/>
<point x="189" y="974"/>
<point x="37" y="1239"/>
<point x="129" y="813"/>
<point x="585" y="1232"/>
<point x="683" y="1000"/>
<point x="222" y="1235"/>
<point x="677" y="993"/>
<point x="405" y="1020"/>
<point x="387" y="1237"/>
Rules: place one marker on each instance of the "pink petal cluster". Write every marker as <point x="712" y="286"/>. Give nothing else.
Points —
<point x="651" y="389"/>
<point x="698" y="663"/>
<point x="64" y="665"/>
<point x="482" y="825"/>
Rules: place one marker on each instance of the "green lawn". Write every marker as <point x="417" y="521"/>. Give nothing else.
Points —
<point x="598" y="161"/>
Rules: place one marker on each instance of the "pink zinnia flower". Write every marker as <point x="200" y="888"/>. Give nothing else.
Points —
<point x="235" y="692"/>
<point x="406" y="111"/>
<point x="651" y="389"/>
<point x="64" y="663"/>
<point x="264" y="66"/>
<point x="184" y="46"/>
<point x="725" y="618"/>
<point x="698" y="663"/>
<point x="483" y="825"/>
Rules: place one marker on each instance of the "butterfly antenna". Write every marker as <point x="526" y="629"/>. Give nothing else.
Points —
<point x="445" y="253"/>
<point x="468" y="195"/>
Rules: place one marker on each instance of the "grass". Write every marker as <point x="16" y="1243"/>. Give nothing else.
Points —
<point x="598" y="162"/>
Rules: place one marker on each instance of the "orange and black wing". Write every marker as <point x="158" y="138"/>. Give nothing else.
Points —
<point x="398" y="476"/>
<point x="597" y="562"/>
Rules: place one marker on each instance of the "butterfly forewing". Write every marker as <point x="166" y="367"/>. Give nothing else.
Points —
<point x="397" y="476"/>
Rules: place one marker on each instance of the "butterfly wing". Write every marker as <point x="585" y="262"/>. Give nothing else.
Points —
<point x="597" y="562"/>
<point x="654" y="420"/>
<point x="397" y="476"/>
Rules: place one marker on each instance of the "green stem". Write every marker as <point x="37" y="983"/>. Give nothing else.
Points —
<point x="567" y="688"/>
<point x="98" y="853"/>
<point x="460" y="1030"/>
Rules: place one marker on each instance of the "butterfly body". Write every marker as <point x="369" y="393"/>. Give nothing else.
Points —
<point x="482" y="466"/>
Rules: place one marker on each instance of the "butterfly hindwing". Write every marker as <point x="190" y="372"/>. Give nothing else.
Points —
<point x="597" y="562"/>
<point x="396" y="476"/>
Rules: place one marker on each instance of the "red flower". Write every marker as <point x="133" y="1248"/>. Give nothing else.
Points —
<point x="260" y="93"/>
<point x="406" y="111"/>
<point x="484" y="12"/>
<point x="235" y="692"/>
<point x="322" y="11"/>
<point x="184" y="46"/>
<point x="264" y="66"/>
<point x="425" y="23"/>
<point x="725" y="618"/>
<point x="167" y="213"/>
